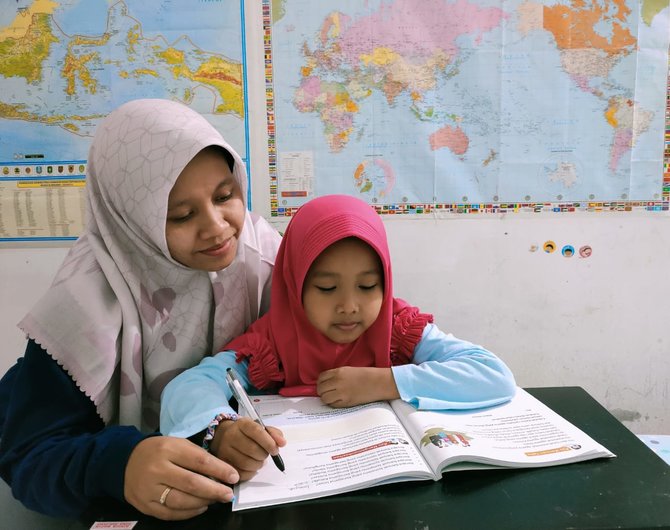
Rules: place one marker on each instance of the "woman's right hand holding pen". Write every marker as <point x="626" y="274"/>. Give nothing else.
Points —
<point x="245" y="445"/>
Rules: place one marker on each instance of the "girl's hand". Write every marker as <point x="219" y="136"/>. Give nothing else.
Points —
<point x="196" y="478"/>
<point x="245" y="445"/>
<point x="348" y="386"/>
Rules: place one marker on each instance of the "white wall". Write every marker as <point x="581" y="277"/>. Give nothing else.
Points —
<point x="600" y="323"/>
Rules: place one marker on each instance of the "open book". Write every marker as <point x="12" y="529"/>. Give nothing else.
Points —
<point x="332" y="451"/>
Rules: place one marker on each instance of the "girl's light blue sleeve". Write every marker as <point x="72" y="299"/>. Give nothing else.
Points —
<point x="449" y="373"/>
<point x="193" y="399"/>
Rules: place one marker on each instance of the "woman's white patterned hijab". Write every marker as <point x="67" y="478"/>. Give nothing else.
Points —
<point x="122" y="317"/>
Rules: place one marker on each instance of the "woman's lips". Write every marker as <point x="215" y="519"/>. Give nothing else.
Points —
<point x="217" y="250"/>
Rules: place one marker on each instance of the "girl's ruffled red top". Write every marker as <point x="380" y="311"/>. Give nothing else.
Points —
<point x="285" y="352"/>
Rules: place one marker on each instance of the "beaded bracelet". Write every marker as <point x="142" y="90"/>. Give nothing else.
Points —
<point x="209" y="433"/>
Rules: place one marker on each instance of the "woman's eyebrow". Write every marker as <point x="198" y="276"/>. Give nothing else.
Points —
<point x="176" y="205"/>
<point x="228" y="181"/>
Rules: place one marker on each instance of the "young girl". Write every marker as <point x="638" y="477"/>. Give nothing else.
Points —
<point x="170" y="264"/>
<point x="334" y="330"/>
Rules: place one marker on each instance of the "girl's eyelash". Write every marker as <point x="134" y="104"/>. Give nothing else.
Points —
<point x="363" y="287"/>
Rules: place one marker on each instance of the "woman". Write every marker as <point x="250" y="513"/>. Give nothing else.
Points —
<point x="171" y="264"/>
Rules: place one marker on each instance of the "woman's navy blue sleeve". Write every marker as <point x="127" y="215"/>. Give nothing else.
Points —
<point x="55" y="451"/>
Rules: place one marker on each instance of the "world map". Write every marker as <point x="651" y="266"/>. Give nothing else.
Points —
<point x="66" y="64"/>
<point x="455" y="104"/>
<point x="457" y="101"/>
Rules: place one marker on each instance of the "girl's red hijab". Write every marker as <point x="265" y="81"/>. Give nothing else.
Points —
<point x="285" y="351"/>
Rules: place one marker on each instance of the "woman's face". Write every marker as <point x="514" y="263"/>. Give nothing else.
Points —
<point x="205" y="213"/>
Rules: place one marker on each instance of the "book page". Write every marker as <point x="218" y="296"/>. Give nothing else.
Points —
<point x="330" y="451"/>
<point x="521" y="433"/>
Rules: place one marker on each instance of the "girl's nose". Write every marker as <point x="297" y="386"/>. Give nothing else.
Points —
<point x="348" y="304"/>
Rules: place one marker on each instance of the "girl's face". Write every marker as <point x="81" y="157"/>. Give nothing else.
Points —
<point x="344" y="289"/>
<point x="205" y="213"/>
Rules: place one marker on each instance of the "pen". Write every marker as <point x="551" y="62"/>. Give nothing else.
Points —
<point x="243" y="399"/>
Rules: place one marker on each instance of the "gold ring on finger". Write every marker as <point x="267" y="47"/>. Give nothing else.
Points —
<point x="164" y="495"/>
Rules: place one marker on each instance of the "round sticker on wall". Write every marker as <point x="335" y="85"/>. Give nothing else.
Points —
<point x="585" y="251"/>
<point x="549" y="246"/>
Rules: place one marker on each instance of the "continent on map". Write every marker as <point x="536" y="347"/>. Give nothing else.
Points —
<point x="627" y="122"/>
<point x="375" y="178"/>
<point x="564" y="173"/>
<point x="586" y="53"/>
<point x="346" y="66"/>
<point x="588" y="56"/>
<point x="452" y="137"/>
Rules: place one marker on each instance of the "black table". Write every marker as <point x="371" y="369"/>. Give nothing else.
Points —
<point x="630" y="491"/>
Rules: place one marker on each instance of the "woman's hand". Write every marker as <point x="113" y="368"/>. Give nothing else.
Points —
<point x="193" y="475"/>
<point x="245" y="445"/>
<point x="349" y="385"/>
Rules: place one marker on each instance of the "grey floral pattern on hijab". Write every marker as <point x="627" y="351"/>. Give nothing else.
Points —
<point x="122" y="317"/>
